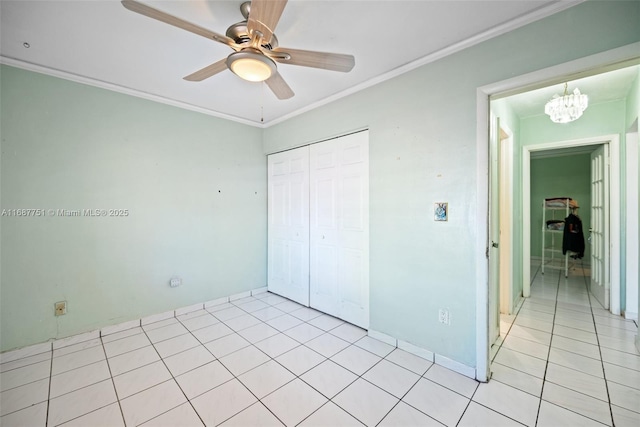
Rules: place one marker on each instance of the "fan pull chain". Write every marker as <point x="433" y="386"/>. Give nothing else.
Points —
<point x="262" y="102"/>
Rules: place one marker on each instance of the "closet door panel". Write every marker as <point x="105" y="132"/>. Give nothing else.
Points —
<point x="288" y="227"/>
<point x="339" y="242"/>
<point x="324" y="249"/>
<point x="354" y="228"/>
<point x="326" y="273"/>
<point x="278" y="254"/>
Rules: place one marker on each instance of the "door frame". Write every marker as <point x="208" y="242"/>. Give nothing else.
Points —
<point x="505" y="195"/>
<point x="613" y="141"/>
<point x="612" y="59"/>
<point x="632" y="144"/>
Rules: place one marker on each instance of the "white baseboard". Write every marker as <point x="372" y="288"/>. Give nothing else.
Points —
<point x="630" y="315"/>
<point x="259" y="291"/>
<point x="112" y="329"/>
<point x="387" y="339"/>
<point x="189" y="309"/>
<point x="11" y="355"/>
<point x="215" y="302"/>
<point x="414" y="349"/>
<point x="451" y="364"/>
<point x="157" y="317"/>
<point x="53" y="344"/>
<point x="239" y="296"/>
<point x="458" y="367"/>
<point x="75" y="339"/>
<point x="31" y="350"/>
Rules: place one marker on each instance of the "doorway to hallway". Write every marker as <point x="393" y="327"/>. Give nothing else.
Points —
<point x="521" y="268"/>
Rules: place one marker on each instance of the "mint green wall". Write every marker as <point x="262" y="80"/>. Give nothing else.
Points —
<point x="600" y="119"/>
<point x="423" y="150"/>
<point x="566" y="176"/>
<point x="633" y="102"/>
<point x="195" y="187"/>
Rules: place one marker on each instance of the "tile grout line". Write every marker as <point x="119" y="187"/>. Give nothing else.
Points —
<point x="172" y="378"/>
<point x="234" y="377"/>
<point x="595" y="327"/>
<point x="570" y="389"/>
<point x="512" y="323"/>
<point x="546" y="366"/>
<point x="329" y="399"/>
<point x="89" y="385"/>
<point x="351" y="344"/>
<point x="293" y="373"/>
<point x="113" y="383"/>
<point x="46" y="420"/>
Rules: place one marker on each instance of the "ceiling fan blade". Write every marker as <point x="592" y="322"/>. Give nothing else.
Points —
<point x="207" y="71"/>
<point x="156" y="14"/>
<point x="307" y="58"/>
<point x="279" y="87"/>
<point x="264" y="17"/>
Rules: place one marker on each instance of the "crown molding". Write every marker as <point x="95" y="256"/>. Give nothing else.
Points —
<point x="121" y="89"/>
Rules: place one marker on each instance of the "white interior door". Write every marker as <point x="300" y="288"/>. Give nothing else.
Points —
<point x="339" y="227"/>
<point x="288" y="227"/>
<point x="600" y="285"/>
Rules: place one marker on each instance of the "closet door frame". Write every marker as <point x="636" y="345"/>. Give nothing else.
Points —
<point x="283" y="236"/>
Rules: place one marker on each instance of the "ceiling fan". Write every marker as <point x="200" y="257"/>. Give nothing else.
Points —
<point x="255" y="46"/>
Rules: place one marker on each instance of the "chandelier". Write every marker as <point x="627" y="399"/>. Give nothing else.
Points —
<point x="568" y="107"/>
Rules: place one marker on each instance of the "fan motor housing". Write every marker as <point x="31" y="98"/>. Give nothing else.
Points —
<point x="238" y="33"/>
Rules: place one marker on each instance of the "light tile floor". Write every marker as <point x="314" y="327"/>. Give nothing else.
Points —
<point x="563" y="360"/>
<point x="266" y="361"/>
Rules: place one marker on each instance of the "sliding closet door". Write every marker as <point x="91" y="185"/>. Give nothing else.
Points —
<point x="339" y="227"/>
<point x="288" y="229"/>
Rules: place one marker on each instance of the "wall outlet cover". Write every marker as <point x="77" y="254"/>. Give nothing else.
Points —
<point x="60" y="308"/>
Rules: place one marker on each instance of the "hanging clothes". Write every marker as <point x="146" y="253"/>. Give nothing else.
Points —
<point x="573" y="237"/>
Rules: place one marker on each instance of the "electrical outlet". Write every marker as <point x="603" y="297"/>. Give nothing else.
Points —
<point x="175" y="282"/>
<point x="443" y="316"/>
<point x="60" y="308"/>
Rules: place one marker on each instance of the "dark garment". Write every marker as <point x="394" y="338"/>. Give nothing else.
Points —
<point x="573" y="237"/>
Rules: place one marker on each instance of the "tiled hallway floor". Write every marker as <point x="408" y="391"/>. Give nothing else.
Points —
<point x="562" y="360"/>
<point x="266" y="361"/>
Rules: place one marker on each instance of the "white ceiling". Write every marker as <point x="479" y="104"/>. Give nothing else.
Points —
<point x="102" y="43"/>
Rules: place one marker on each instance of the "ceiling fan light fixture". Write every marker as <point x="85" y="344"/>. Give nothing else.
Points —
<point x="251" y="65"/>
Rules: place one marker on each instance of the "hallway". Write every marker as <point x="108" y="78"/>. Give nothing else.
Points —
<point x="562" y="359"/>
